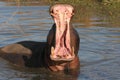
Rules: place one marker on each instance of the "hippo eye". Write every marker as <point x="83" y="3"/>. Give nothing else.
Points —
<point x="56" y="10"/>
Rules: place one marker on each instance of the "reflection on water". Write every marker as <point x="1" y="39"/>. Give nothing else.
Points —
<point x="99" y="48"/>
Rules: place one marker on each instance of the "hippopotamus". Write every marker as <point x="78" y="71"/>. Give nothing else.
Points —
<point x="58" y="53"/>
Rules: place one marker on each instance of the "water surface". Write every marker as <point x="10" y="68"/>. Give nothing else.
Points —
<point x="99" y="44"/>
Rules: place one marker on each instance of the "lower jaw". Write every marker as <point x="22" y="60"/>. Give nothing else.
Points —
<point x="61" y="56"/>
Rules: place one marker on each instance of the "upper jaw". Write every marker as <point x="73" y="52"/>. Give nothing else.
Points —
<point x="62" y="51"/>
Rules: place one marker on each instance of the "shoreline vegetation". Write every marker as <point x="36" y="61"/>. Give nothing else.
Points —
<point x="108" y="10"/>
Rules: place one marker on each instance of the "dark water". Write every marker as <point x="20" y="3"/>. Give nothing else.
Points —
<point x="99" y="48"/>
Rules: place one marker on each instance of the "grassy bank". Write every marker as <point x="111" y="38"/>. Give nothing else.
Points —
<point x="108" y="10"/>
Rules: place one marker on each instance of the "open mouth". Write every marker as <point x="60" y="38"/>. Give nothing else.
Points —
<point x="62" y="50"/>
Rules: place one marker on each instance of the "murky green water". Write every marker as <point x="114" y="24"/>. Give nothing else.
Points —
<point x="99" y="46"/>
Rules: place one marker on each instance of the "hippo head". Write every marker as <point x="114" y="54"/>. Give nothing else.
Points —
<point x="62" y="50"/>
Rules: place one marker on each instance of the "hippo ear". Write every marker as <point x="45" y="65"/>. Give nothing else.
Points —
<point x="51" y="9"/>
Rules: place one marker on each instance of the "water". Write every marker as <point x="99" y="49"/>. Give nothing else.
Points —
<point x="99" y="44"/>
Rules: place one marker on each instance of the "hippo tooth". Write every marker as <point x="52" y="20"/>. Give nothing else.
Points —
<point x="52" y="50"/>
<point x="72" y="51"/>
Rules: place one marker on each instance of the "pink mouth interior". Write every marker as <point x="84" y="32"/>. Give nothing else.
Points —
<point x="62" y="46"/>
<point x="62" y="49"/>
